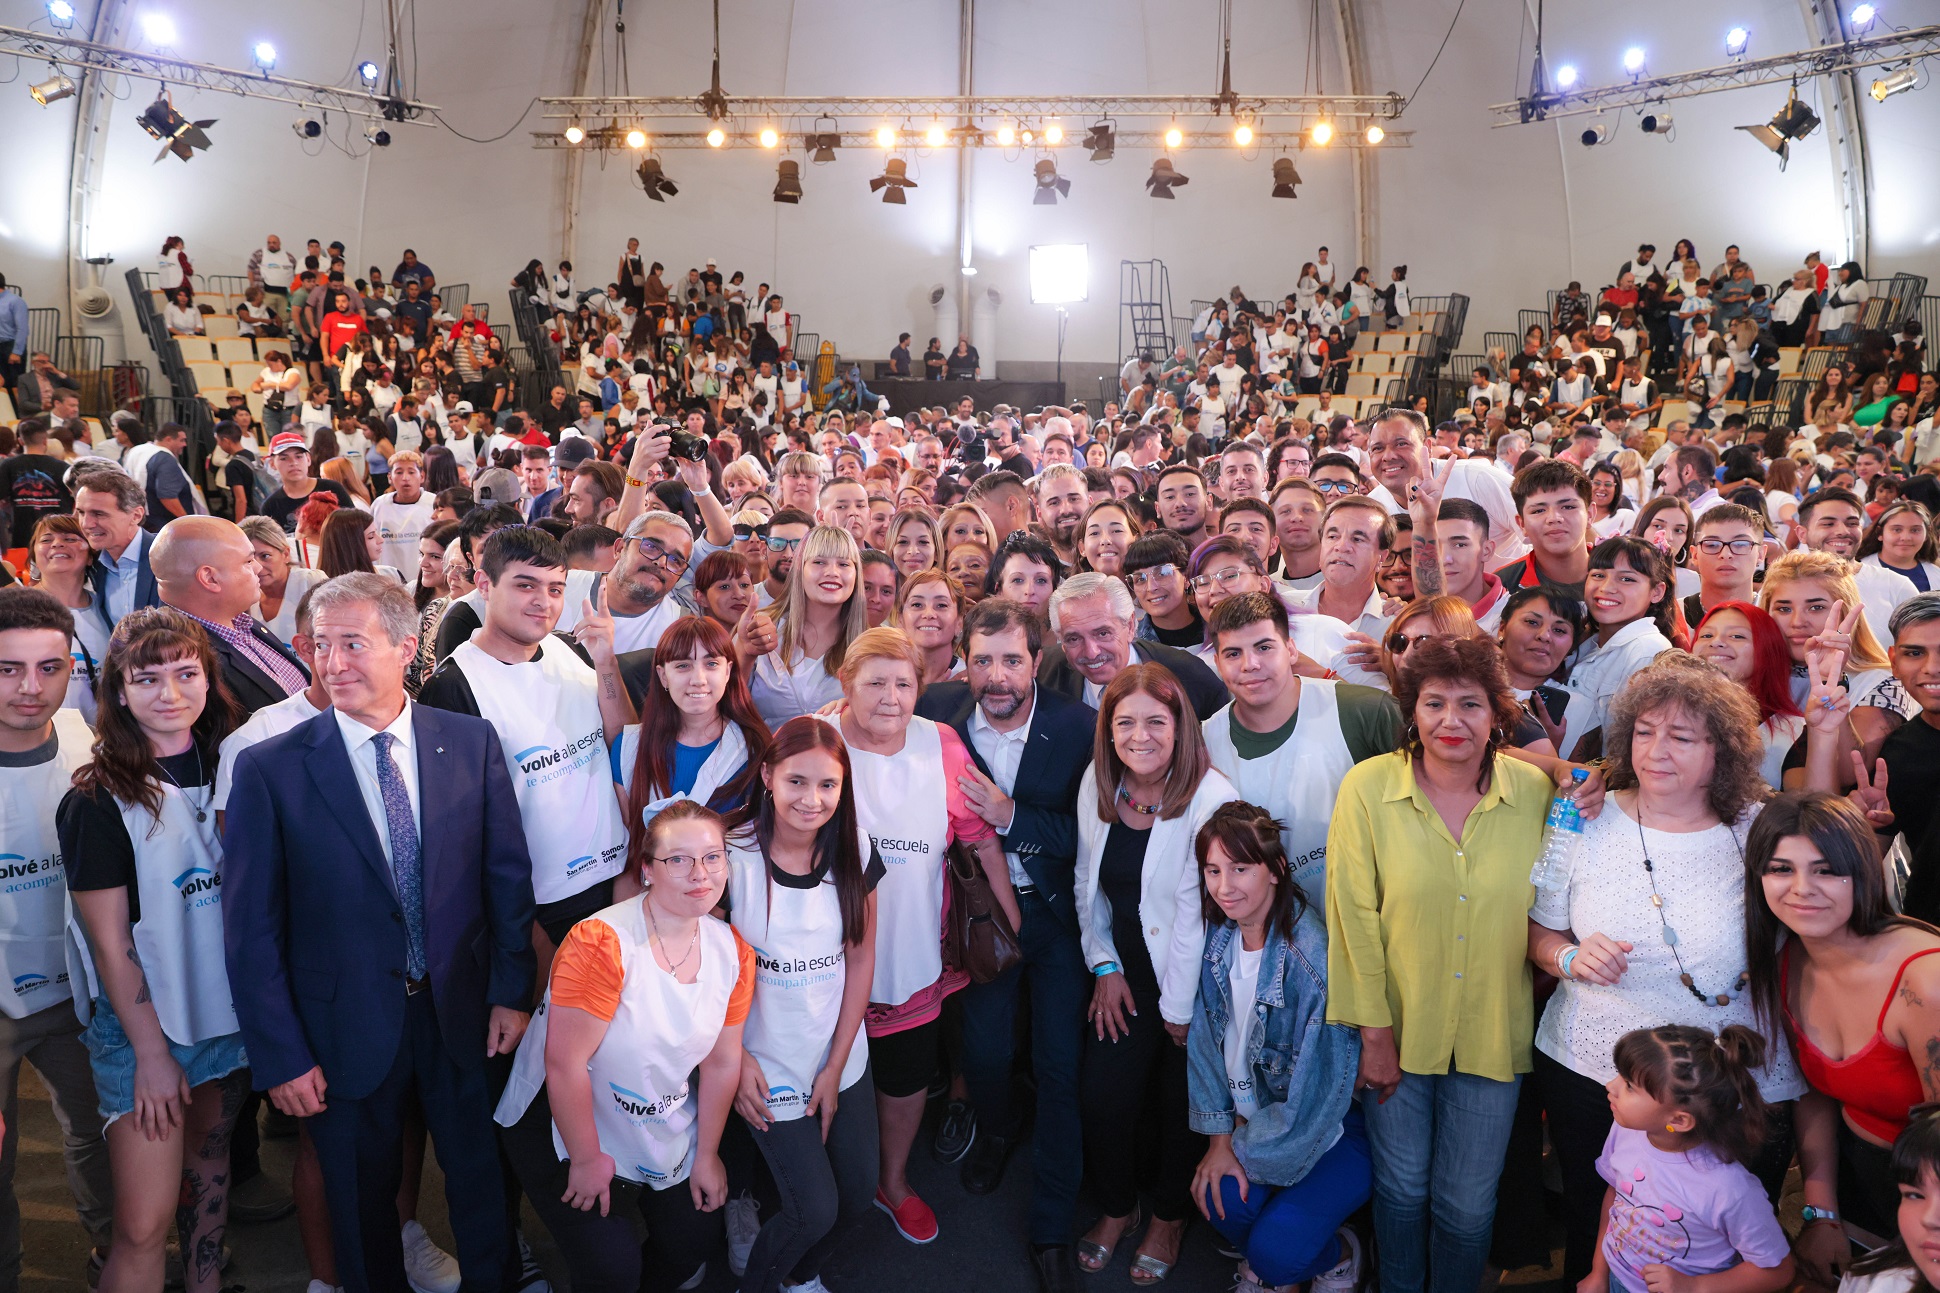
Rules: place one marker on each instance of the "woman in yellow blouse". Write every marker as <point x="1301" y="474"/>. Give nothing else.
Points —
<point x="1428" y="894"/>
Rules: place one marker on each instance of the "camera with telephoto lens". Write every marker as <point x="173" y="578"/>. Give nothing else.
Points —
<point x="686" y="445"/>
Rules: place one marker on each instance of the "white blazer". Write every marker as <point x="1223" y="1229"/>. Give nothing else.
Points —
<point x="1168" y="905"/>
<point x="1933" y="576"/>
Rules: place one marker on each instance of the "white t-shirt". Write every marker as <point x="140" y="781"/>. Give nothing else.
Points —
<point x="398" y="526"/>
<point x="1244" y="982"/>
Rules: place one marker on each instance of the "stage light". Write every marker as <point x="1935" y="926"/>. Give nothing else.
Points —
<point x="716" y="137"/>
<point x="575" y="133"/>
<point x="159" y="29"/>
<point x="935" y="136"/>
<point x="1053" y="133"/>
<point x="178" y="134"/>
<point x="1322" y="133"/>
<point x="1050" y="185"/>
<point x="788" y="181"/>
<point x="968" y="271"/>
<point x="1885" y="87"/>
<point x="1793" y="121"/>
<point x="1243" y="134"/>
<point x="655" y="181"/>
<point x="1029" y="138"/>
<point x="377" y="135"/>
<point x="306" y="127"/>
<point x="893" y="180"/>
<point x="1163" y="179"/>
<point x="1600" y="133"/>
<point x="60" y="13"/>
<point x="1060" y="274"/>
<point x="1633" y="60"/>
<point x="1284" y="178"/>
<point x="1375" y="134"/>
<point x="885" y="136"/>
<point x="1656" y="123"/>
<point x="1006" y="135"/>
<point x="636" y="138"/>
<point x="368" y="72"/>
<point x="265" y="55"/>
<point x="1736" y="41"/>
<point x="769" y="136"/>
<point x="1102" y="140"/>
<point x="1862" y="17"/>
<point x="52" y="90"/>
<point x="1565" y="76"/>
<point x="1173" y="138"/>
<point x="823" y="146"/>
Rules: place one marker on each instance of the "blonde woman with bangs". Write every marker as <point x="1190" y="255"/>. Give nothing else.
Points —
<point x="821" y="613"/>
<point x="1814" y="596"/>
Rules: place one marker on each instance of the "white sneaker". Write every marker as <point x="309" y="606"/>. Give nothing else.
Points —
<point x="813" y="1286"/>
<point x="1243" y="1281"/>
<point x="428" y="1268"/>
<point x="318" y="1286"/>
<point x="1345" y="1277"/>
<point x="743" y="1224"/>
<point x="694" y="1280"/>
<point x="531" y="1278"/>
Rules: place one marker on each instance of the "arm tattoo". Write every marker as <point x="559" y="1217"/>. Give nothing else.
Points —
<point x="1427" y="567"/>
<point x="1930" y="1071"/>
<point x="141" y="994"/>
<point x="1910" y="997"/>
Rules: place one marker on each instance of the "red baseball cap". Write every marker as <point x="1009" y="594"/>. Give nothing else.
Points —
<point x="286" y="440"/>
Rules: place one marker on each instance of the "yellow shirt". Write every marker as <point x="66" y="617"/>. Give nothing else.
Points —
<point x="1430" y="935"/>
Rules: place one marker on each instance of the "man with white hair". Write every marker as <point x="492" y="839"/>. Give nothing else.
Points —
<point x="643" y="592"/>
<point x="1093" y="621"/>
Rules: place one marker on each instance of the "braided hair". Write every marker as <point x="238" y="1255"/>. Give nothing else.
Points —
<point x="1710" y="1078"/>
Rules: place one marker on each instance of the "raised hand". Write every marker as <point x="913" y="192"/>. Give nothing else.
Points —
<point x="1833" y="643"/>
<point x="1827" y="703"/>
<point x="1870" y="792"/>
<point x="595" y="628"/>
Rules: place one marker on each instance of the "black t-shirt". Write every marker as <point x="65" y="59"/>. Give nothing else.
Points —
<point x="933" y="364"/>
<point x="96" y="849"/>
<point x="899" y="360"/>
<point x="1912" y="754"/>
<point x="1189" y="636"/>
<point x="963" y="365"/>
<point x="31" y="484"/>
<point x="282" y="509"/>
<point x="1121" y="874"/>
<point x="235" y="473"/>
<point x="449" y="687"/>
<point x="494" y="380"/>
<point x="459" y="623"/>
<point x="166" y="481"/>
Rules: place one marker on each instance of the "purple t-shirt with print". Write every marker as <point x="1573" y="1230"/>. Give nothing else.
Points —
<point x="1685" y="1210"/>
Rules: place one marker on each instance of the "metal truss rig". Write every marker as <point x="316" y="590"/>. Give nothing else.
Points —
<point x="70" y="54"/>
<point x="608" y="139"/>
<point x="1778" y="69"/>
<point x="1074" y="112"/>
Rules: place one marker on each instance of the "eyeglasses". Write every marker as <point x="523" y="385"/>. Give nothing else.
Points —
<point x="657" y="554"/>
<point x="1143" y="577"/>
<point x="1334" y="486"/>
<point x="680" y="866"/>
<point x="1739" y="547"/>
<point x="1398" y="643"/>
<point x="1224" y="578"/>
<point x="782" y="545"/>
<point x="1395" y="557"/>
<point x="751" y="532"/>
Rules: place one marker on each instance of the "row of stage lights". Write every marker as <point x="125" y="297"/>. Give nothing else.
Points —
<point x="1100" y="139"/>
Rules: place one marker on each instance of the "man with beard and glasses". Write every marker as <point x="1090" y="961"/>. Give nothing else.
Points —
<point x="1031" y="748"/>
<point x="1061" y="503"/>
<point x="786" y="530"/>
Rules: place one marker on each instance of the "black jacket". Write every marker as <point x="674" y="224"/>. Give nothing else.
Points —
<point x="1203" y="687"/>
<point x="253" y="688"/>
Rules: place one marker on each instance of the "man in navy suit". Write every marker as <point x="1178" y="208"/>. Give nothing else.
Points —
<point x="1094" y="622"/>
<point x="1031" y="748"/>
<point x="110" y="505"/>
<point x="535" y="472"/>
<point x="377" y="907"/>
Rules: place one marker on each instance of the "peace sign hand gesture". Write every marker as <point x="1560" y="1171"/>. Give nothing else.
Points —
<point x="1827" y="703"/>
<point x="595" y="628"/>
<point x="1833" y="643"/>
<point x="1870" y="792"/>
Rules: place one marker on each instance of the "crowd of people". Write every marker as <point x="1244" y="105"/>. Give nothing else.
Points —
<point x="656" y="817"/>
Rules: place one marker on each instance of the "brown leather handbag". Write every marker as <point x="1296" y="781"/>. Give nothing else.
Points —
<point x="979" y="939"/>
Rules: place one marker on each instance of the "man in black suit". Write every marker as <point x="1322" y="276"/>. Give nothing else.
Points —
<point x="1093" y="619"/>
<point x="377" y="905"/>
<point x="1031" y="748"/>
<point x="203" y="569"/>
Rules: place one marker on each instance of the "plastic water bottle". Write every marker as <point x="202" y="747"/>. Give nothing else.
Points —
<point x="1562" y="837"/>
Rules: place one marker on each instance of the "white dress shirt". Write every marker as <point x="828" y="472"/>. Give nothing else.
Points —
<point x="123" y="574"/>
<point x="363" y="758"/>
<point x="1003" y="754"/>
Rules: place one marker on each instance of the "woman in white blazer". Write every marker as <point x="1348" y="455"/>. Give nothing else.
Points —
<point x="1151" y="786"/>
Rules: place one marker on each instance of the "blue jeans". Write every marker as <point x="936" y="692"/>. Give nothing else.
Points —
<point x="1060" y="986"/>
<point x="1438" y="1145"/>
<point x="1289" y="1233"/>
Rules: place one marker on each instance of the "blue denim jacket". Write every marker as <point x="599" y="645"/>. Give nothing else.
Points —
<point x="1303" y="1066"/>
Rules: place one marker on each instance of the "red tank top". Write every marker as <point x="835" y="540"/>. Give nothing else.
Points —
<point x="1877" y="1085"/>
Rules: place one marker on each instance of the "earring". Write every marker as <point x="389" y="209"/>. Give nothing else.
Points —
<point x="1670" y="1127"/>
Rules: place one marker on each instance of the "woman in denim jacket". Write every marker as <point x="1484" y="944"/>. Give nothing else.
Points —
<point x="1288" y="1162"/>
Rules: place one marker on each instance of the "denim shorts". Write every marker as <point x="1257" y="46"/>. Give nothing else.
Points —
<point x="113" y="1058"/>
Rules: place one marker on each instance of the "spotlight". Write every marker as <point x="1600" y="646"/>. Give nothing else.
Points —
<point x="60" y="13"/>
<point x="1006" y="135"/>
<point x="1793" y="121"/>
<point x="575" y="133"/>
<point x="306" y="127"/>
<point x="1028" y="138"/>
<point x="1861" y="18"/>
<point x="1173" y="138"/>
<point x="1600" y="133"/>
<point x="1050" y="185"/>
<point x="1053" y="133"/>
<point x="655" y="181"/>
<point x="1284" y="178"/>
<point x="52" y="90"/>
<point x="935" y="136"/>
<point x="1736" y="41"/>
<point x="893" y="180"/>
<point x="1656" y="124"/>
<point x="1243" y="134"/>
<point x="885" y="136"/>
<point x="968" y="271"/>
<point x="1883" y="89"/>
<point x="1565" y="76"/>
<point x="636" y="138"/>
<point x="1322" y="133"/>
<point x="1375" y="134"/>
<point x="265" y="55"/>
<point x="1163" y="179"/>
<point x="1101" y="139"/>
<point x="823" y="146"/>
<point x="769" y="136"/>
<point x="1633" y="60"/>
<point x="716" y="137"/>
<point x="178" y="134"/>
<point x="377" y="135"/>
<point x="788" y="181"/>
<point x="368" y="72"/>
<point x="159" y="28"/>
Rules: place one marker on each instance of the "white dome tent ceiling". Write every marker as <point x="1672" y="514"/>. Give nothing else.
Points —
<point x="1496" y="213"/>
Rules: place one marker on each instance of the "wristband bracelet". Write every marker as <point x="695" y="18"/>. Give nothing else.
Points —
<point x="1565" y="959"/>
<point x="1104" y="968"/>
<point x="702" y="493"/>
<point x="635" y="482"/>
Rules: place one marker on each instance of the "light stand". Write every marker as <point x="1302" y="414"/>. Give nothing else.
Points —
<point x="1064" y="319"/>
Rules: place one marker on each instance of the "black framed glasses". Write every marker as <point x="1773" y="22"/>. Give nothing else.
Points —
<point x="750" y="531"/>
<point x="655" y="553"/>
<point x="1739" y="547"/>
<point x="1342" y="487"/>
<point x="1398" y="643"/>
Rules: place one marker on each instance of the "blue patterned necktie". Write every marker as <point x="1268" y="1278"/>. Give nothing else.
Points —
<point x="406" y="862"/>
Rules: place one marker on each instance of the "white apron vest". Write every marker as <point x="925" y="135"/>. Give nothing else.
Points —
<point x="717" y="769"/>
<point x="800" y="969"/>
<point x="901" y="801"/>
<point x="1297" y="782"/>
<point x="644" y="1105"/>
<point x="547" y="716"/>
<point x="33" y="888"/>
<point x="178" y="875"/>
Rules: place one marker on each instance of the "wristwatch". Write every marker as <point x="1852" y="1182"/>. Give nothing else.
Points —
<point x="1812" y="1214"/>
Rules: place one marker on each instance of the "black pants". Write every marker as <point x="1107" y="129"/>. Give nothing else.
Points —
<point x="1579" y="1122"/>
<point x="603" y="1254"/>
<point x="1133" y="1097"/>
<point x="824" y="1187"/>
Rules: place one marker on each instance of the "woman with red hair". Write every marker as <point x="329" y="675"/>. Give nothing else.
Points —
<point x="699" y="735"/>
<point x="1748" y="647"/>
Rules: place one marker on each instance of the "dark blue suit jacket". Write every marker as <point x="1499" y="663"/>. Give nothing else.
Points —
<point x="314" y="930"/>
<point x="1044" y="831"/>
<point x="146" y="593"/>
<point x="538" y="509"/>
